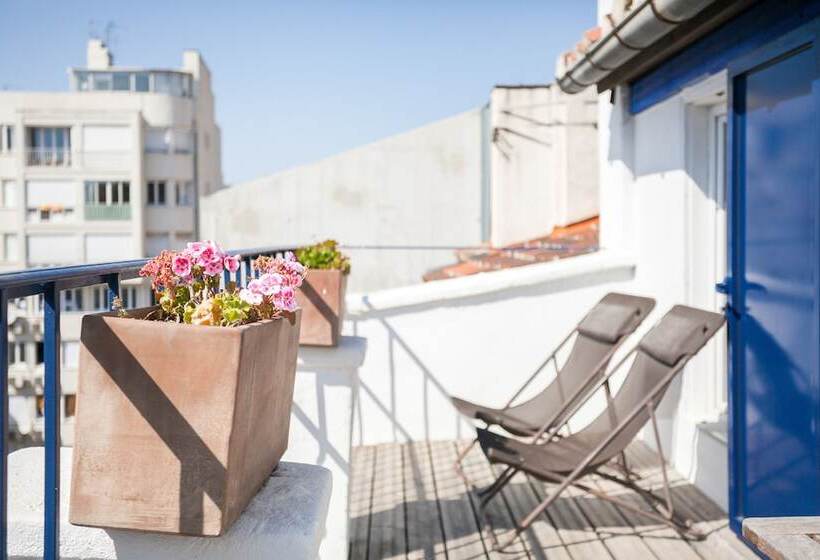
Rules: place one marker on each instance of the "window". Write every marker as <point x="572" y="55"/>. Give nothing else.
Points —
<point x="49" y="145"/>
<point x="184" y="193"/>
<point x="170" y="82"/>
<point x="10" y="247"/>
<point x="128" y="294"/>
<point x="6" y="138"/>
<point x="101" y="81"/>
<point x="100" y="298"/>
<point x="103" y="193"/>
<point x="156" y="193"/>
<point x="157" y="140"/>
<point x="141" y="82"/>
<point x="17" y="352"/>
<point x="70" y="354"/>
<point x="121" y="81"/>
<point x="51" y="214"/>
<point x="40" y="350"/>
<point x="70" y="405"/>
<point x="72" y="300"/>
<point x="8" y="191"/>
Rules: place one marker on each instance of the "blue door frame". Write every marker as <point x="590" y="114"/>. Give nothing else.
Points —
<point x="737" y="286"/>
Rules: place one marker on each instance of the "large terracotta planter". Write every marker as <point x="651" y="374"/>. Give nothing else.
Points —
<point x="322" y="299"/>
<point x="178" y="426"/>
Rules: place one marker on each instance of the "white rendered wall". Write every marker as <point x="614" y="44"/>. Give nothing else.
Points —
<point x="477" y="337"/>
<point x="421" y="189"/>
<point x="653" y="200"/>
<point x="544" y="161"/>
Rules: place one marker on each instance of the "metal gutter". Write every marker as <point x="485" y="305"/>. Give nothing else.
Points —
<point x="639" y="29"/>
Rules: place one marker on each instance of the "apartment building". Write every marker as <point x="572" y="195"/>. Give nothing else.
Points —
<point x="110" y="170"/>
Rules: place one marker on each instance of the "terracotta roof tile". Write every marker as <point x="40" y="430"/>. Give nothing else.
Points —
<point x="574" y="239"/>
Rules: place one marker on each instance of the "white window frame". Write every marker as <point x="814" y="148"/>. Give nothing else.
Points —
<point x="111" y="187"/>
<point x="152" y="192"/>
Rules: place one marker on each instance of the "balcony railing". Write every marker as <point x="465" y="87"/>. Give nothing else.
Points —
<point x="107" y="212"/>
<point x="51" y="282"/>
<point x="52" y="157"/>
<point x="64" y="157"/>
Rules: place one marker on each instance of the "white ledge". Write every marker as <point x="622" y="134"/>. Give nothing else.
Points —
<point x="600" y="262"/>
<point x="349" y="354"/>
<point x="285" y="520"/>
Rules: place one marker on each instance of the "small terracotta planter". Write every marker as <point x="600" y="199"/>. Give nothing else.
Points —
<point x="178" y="426"/>
<point x="322" y="299"/>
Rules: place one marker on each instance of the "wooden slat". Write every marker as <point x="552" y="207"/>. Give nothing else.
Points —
<point x="614" y="529"/>
<point x="359" y="497"/>
<point x="541" y="539"/>
<point x="387" y="512"/>
<point x="413" y="490"/>
<point x="479" y="471"/>
<point x="464" y="539"/>
<point x="708" y="518"/>
<point x="578" y="536"/>
<point x="424" y="536"/>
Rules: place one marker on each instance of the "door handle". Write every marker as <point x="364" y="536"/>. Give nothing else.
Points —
<point x="723" y="287"/>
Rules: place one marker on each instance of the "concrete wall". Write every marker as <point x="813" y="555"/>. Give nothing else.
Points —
<point x="421" y="190"/>
<point x="544" y="160"/>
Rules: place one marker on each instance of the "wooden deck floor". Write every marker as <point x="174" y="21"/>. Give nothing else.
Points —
<point x="407" y="502"/>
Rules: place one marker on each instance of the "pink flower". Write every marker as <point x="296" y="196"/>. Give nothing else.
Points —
<point x="248" y="296"/>
<point x="181" y="265"/>
<point x="212" y="268"/>
<point x="286" y="299"/>
<point x="256" y="286"/>
<point x="231" y="263"/>
<point x="293" y="271"/>
<point x="195" y="248"/>
<point x="289" y="256"/>
<point x="271" y="283"/>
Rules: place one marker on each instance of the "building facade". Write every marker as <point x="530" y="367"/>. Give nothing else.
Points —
<point x="111" y="170"/>
<point x="404" y="204"/>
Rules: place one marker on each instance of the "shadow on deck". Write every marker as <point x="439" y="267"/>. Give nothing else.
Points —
<point x="407" y="502"/>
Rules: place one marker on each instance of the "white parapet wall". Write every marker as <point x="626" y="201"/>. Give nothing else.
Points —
<point x="321" y="424"/>
<point x="478" y="337"/>
<point x="286" y="519"/>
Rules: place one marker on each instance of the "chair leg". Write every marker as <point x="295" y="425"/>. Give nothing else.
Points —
<point x="459" y="469"/>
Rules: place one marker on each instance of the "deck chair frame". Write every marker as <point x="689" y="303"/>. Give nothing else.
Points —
<point x="561" y="417"/>
<point x="664" y="511"/>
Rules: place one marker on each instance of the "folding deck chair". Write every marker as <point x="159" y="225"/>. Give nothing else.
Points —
<point x="596" y="338"/>
<point x="659" y="357"/>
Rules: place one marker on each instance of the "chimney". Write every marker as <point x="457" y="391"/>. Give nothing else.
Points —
<point x="97" y="56"/>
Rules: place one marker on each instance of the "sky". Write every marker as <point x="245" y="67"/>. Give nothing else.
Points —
<point x="299" y="80"/>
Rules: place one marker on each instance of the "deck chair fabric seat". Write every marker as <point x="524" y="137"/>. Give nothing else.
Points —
<point x="599" y="333"/>
<point x="659" y="357"/>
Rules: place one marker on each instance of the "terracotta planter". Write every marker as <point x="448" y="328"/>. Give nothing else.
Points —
<point x="322" y="299"/>
<point x="178" y="426"/>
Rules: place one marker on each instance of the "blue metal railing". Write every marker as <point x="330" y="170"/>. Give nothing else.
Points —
<point x="50" y="282"/>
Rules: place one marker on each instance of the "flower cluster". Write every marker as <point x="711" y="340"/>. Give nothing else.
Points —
<point x="277" y="282"/>
<point x="187" y="286"/>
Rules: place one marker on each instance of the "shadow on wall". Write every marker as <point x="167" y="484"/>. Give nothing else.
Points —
<point x="479" y="347"/>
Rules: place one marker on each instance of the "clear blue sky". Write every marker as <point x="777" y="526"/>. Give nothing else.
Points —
<point x="298" y="80"/>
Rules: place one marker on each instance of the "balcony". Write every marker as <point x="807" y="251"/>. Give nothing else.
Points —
<point x="405" y="499"/>
<point x="48" y="157"/>
<point x="103" y="212"/>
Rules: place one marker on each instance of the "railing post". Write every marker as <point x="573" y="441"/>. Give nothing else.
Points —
<point x="52" y="395"/>
<point x="113" y="281"/>
<point x="4" y="423"/>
